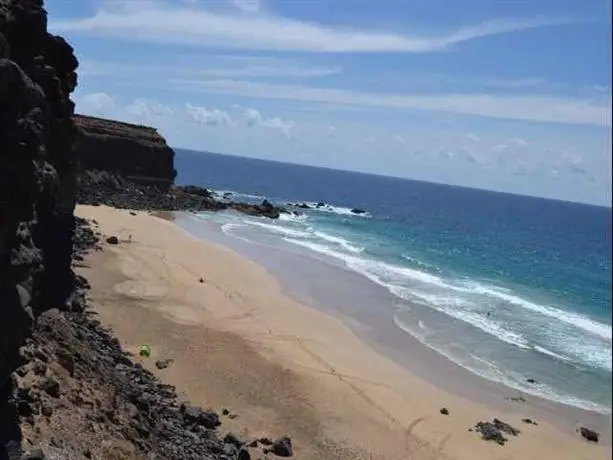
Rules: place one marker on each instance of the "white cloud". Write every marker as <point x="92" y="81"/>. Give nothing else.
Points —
<point x="207" y="116"/>
<point x="217" y="66"/>
<point x="100" y="104"/>
<point x="254" y="118"/>
<point x="500" y="147"/>
<point x="518" y="141"/>
<point x="143" y="110"/>
<point x="272" y="70"/>
<point x="516" y="107"/>
<point x="331" y="131"/>
<point x="472" y="137"/>
<point x="530" y="82"/>
<point x="602" y="88"/>
<point x="246" y="6"/>
<point x="163" y="22"/>
<point x="399" y="139"/>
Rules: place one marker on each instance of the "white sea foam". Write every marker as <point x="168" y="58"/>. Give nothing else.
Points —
<point x="339" y="241"/>
<point x="293" y="217"/>
<point x="574" y="319"/>
<point x="278" y="229"/>
<point x="446" y="298"/>
<point x="490" y="371"/>
<point x="230" y="228"/>
<point x="339" y="210"/>
<point x="456" y="308"/>
<point x="234" y="195"/>
<point x="551" y="353"/>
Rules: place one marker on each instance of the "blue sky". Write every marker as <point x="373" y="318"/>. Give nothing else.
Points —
<point x="509" y="95"/>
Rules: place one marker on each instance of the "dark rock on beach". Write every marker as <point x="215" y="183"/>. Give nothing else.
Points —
<point x="489" y="432"/>
<point x="282" y="447"/>
<point x="163" y="364"/>
<point x="589" y="435"/>
<point x="495" y="430"/>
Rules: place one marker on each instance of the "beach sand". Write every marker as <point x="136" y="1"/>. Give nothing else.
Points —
<point x="238" y="342"/>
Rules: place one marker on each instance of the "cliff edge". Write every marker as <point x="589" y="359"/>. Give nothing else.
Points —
<point x="138" y="153"/>
<point x="37" y="172"/>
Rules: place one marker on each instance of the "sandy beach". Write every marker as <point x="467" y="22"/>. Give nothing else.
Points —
<point x="236" y="341"/>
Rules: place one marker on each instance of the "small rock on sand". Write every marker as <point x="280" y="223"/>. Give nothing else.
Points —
<point x="588" y="434"/>
<point x="282" y="447"/>
<point x="112" y="240"/>
<point x="163" y="363"/>
<point x="444" y="411"/>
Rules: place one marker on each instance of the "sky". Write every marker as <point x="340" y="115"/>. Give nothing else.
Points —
<point x="507" y="95"/>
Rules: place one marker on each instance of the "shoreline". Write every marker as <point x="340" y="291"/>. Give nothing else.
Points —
<point x="350" y="368"/>
<point x="382" y="334"/>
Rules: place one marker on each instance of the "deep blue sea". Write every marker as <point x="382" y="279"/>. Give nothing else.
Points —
<point x="520" y="286"/>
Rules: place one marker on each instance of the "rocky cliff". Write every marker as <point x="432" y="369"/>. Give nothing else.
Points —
<point x="37" y="172"/>
<point x="137" y="153"/>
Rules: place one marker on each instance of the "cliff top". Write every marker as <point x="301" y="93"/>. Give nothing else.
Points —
<point x="103" y="126"/>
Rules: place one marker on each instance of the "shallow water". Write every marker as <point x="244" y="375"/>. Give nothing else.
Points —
<point x="510" y="288"/>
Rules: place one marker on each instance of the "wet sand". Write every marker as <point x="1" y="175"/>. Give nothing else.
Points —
<point x="238" y="341"/>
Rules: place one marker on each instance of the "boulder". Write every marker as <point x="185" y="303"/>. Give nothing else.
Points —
<point x="589" y="435"/>
<point x="282" y="447"/>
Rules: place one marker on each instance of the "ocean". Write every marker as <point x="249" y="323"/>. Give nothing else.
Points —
<point x="514" y="289"/>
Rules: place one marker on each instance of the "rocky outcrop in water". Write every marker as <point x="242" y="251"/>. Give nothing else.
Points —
<point x="112" y="189"/>
<point x="138" y="153"/>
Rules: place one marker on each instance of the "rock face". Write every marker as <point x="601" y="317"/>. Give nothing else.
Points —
<point x="37" y="172"/>
<point x="138" y="153"/>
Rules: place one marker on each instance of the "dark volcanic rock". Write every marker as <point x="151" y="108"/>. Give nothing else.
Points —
<point x="195" y="415"/>
<point x="163" y="364"/>
<point x="37" y="184"/>
<point x="135" y="152"/>
<point x="195" y="190"/>
<point x="444" y="411"/>
<point x="489" y="432"/>
<point x="282" y="447"/>
<point x="358" y="211"/>
<point x="588" y="434"/>
<point x="506" y="428"/>
<point x="112" y="240"/>
<point x="493" y="431"/>
<point x="103" y="187"/>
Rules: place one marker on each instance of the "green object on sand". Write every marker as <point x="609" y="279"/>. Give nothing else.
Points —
<point x="145" y="351"/>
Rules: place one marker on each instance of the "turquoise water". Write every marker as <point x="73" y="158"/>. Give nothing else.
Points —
<point x="511" y="288"/>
